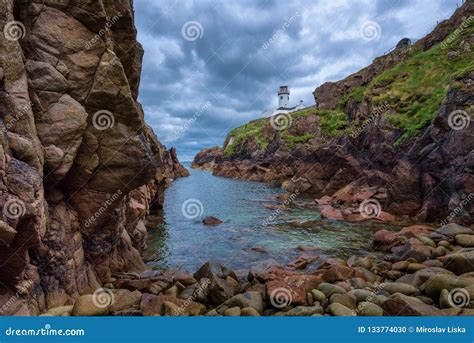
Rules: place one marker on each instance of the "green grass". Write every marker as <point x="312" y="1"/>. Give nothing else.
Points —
<point x="416" y="87"/>
<point x="332" y="124"/>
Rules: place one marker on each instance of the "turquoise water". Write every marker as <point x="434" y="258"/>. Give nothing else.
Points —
<point x="179" y="241"/>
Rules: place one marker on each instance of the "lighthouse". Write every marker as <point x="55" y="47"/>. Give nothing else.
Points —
<point x="283" y="97"/>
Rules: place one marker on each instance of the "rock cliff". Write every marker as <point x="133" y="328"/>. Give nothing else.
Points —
<point x="80" y="169"/>
<point x="400" y="129"/>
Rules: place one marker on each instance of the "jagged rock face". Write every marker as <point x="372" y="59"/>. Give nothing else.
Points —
<point x="429" y="176"/>
<point x="206" y="159"/>
<point x="79" y="168"/>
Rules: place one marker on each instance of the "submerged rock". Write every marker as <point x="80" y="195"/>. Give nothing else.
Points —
<point x="211" y="221"/>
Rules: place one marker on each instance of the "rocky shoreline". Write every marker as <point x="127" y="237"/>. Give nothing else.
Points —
<point x="426" y="272"/>
<point x="363" y="136"/>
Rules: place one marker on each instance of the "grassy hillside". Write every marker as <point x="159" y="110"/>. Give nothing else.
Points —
<point x="414" y="90"/>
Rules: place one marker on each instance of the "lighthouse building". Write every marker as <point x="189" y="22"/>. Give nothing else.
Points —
<point x="284" y="103"/>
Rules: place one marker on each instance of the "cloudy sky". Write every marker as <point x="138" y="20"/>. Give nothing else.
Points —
<point x="212" y="65"/>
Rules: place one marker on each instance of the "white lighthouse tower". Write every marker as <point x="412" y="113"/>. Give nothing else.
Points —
<point x="283" y="97"/>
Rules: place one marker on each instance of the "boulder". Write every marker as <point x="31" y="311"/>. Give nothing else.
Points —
<point x="124" y="299"/>
<point x="402" y="305"/>
<point x="361" y="295"/>
<point x="337" y="273"/>
<point x="460" y="262"/>
<point x="437" y="283"/>
<point x="399" y="287"/>
<point x="369" y="309"/>
<point x="211" y="221"/>
<point x="249" y="299"/>
<point x="232" y="312"/>
<point x="413" y="248"/>
<point x="348" y="300"/>
<point x="304" y="311"/>
<point x="295" y="285"/>
<point x="464" y="240"/>
<point x="154" y="305"/>
<point x="249" y="312"/>
<point x="214" y="269"/>
<point x="449" y="231"/>
<point x="329" y="289"/>
<point x="337" y="309"/>
<point x="219" y="291"/>
<point x="329" y="212"/>
<point x="86" y="305"/>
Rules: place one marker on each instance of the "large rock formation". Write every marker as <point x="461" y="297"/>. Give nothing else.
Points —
<point x="80" y="169"/>
<point x="379" y="130"/>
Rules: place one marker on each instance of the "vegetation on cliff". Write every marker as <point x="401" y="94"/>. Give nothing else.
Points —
<point x="412" y="90"/>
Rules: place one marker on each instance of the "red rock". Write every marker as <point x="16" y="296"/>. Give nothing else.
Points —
<point x="338" y="273"/>
<point x="303" y="261"/>
<point x="212" y="221"/>
<point x="154" y="305"/>
<point x="296" y="285"/>
<point x="416" y="230"/>
<point x="383" y="240"/>
<point x="402" y="305"/>
<point x="329" y="212"/>
<point x="413" y="248"/>
<point x="325" y="200"/>
<point x="385" y="217"/>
